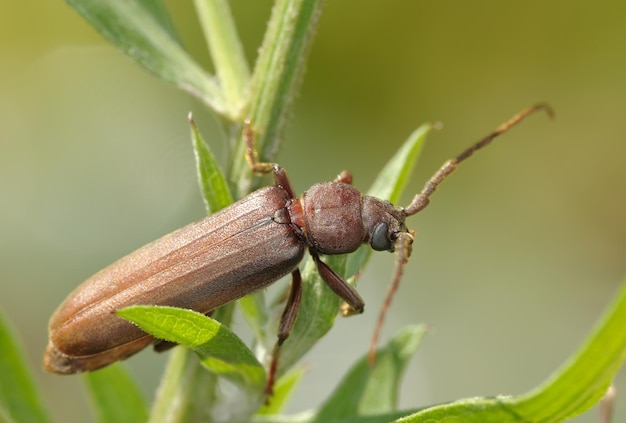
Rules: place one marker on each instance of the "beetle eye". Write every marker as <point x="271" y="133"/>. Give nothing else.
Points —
<point x="380" y="241"/>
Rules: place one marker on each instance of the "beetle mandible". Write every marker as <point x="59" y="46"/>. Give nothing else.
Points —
<point x="234" y="252"/>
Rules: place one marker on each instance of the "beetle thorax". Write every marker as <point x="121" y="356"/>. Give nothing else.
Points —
<point x="332" y="218"/>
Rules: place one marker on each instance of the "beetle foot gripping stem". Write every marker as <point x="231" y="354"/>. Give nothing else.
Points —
<point x="271" y="373"/>
<point x="257" y="166"/>
<point x="252" y="156"/>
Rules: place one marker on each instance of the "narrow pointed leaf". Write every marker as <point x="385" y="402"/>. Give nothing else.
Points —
<point x="283" y="389"/>
<point x="574" y="388"/>
<point x="141" y="32"/>
<point x="219" y="349"/>
<point x="114" y="396"/>
<point x="374" y="390"/>
<point x="213" y="185"/>
<point x="391" y="181"/>
<point x="584" y="379"/>
<point x="309" y="417"/>
<point x="159" y="12"/>
<point x="19" y="399"/>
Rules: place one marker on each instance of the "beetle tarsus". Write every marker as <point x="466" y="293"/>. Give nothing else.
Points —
<point x="344" y="177"/>
<point x="252" y="156"/>
<point x="340" y="287"/>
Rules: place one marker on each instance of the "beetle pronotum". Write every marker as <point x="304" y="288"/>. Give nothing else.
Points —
<point x="234" y="252"/>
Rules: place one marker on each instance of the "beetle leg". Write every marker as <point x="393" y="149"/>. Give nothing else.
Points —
<point x="345" y="177"/>
<point x="284" y="329"/>
<point x="291" y="309"/>
<point x="346" y="309"/>
<point x="342" y="288"/>
<point x="252" y="157"/>
<point x="607" y="405"/>
<point x="282" y="181"/>
<point x="163" y="345"/>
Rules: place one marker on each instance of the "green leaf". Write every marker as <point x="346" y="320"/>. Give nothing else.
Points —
<point x="366" y="394"/>
<point x="19" y="399"/>
<point x="309" y="417"/>
<point x="143" y="33"/>
<point x="188" y="393"/>
<point x="373" y="390"/>
<point x="574" y="388"/>
<point x="584" y="379"/>
<point x="472" y="410"/>
<point x="159" y="12"/>
<point x="392" y="179"/>
<point x="114" y="396"/>
<point x="213" y="185"/>
<point x="219" y="349"/>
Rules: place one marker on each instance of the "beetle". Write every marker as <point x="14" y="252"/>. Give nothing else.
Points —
<point x="234" y="252"/>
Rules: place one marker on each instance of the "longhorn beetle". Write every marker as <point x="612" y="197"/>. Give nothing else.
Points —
<point x="234" y="252"/>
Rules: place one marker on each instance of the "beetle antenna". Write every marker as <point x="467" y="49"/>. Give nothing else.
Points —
<point x="421" y="200"/>
<point x="403" y="247"/>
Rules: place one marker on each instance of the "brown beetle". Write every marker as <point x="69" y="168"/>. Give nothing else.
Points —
<point x="234" y="252"/>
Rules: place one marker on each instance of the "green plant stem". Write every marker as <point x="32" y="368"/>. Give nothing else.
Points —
<point x="186" y="392"/>
<point x="276" y="78"/>
<point x="226" y="51"/>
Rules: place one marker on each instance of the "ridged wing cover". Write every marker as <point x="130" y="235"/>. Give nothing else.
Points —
<point x="201" y="266"/>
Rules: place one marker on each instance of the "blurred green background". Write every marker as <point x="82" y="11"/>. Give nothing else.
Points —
<point x="516" y="257"/>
